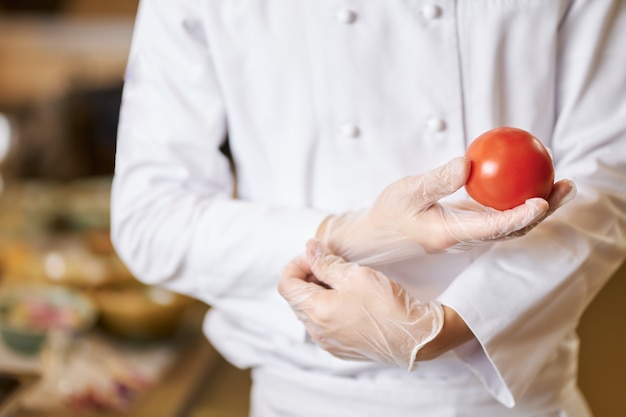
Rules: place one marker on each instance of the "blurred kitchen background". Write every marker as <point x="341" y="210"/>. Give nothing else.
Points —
<point x="114" y="346"/>
<point x="80" y="336"/>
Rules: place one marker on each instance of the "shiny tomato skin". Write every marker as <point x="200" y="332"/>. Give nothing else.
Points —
<point x="508" y="166"/>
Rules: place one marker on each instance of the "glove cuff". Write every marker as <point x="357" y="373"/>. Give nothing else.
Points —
<point x="436" y="313"/>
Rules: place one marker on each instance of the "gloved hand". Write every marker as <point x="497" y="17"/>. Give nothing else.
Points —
<point x="355" y="312"/>
<point x="407" y="220"/>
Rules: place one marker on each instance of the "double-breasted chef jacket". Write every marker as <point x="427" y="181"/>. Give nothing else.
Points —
<point x="324" y="103"/>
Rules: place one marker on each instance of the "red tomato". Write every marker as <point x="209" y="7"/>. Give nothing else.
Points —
<point x="509" y="166"/>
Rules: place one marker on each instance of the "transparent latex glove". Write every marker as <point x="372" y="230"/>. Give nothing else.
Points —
<point x="407" y="219"/>
<point x="355" y="312"/>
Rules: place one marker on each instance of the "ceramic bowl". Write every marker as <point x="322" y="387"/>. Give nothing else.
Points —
<point x="28" y="313"/>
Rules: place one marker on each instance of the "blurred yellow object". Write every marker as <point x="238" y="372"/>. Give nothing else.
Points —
<point x="58" y="233"/>
<point x="140" y="313"/>
<point x="69" y="261"/>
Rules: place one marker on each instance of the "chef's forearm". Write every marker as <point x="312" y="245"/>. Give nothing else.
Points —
<point x="455" y="332"/>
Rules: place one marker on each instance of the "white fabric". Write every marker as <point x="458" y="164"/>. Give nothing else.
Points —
<point x="279" y="392"/>
<point x="322" y="112"/>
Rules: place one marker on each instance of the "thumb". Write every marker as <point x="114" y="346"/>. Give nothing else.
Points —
<point x="441" y="181"/>
<point x="327" y="267"/>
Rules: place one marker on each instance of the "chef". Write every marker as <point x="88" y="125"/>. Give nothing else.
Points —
<point x="250" y="127"/>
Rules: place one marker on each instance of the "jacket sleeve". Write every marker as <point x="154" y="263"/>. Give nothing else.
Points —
<point x="174" y="219"/>
<point x="524" y="297"/>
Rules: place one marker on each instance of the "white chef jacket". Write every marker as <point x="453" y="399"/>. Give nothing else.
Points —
<point x="326" y="102"/>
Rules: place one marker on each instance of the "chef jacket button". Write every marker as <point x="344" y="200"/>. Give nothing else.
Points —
<point x="349" y="130"/>
<point x="431" y="11"/>
<point x="346" y="16"/>
<point x="436" y="124"/>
